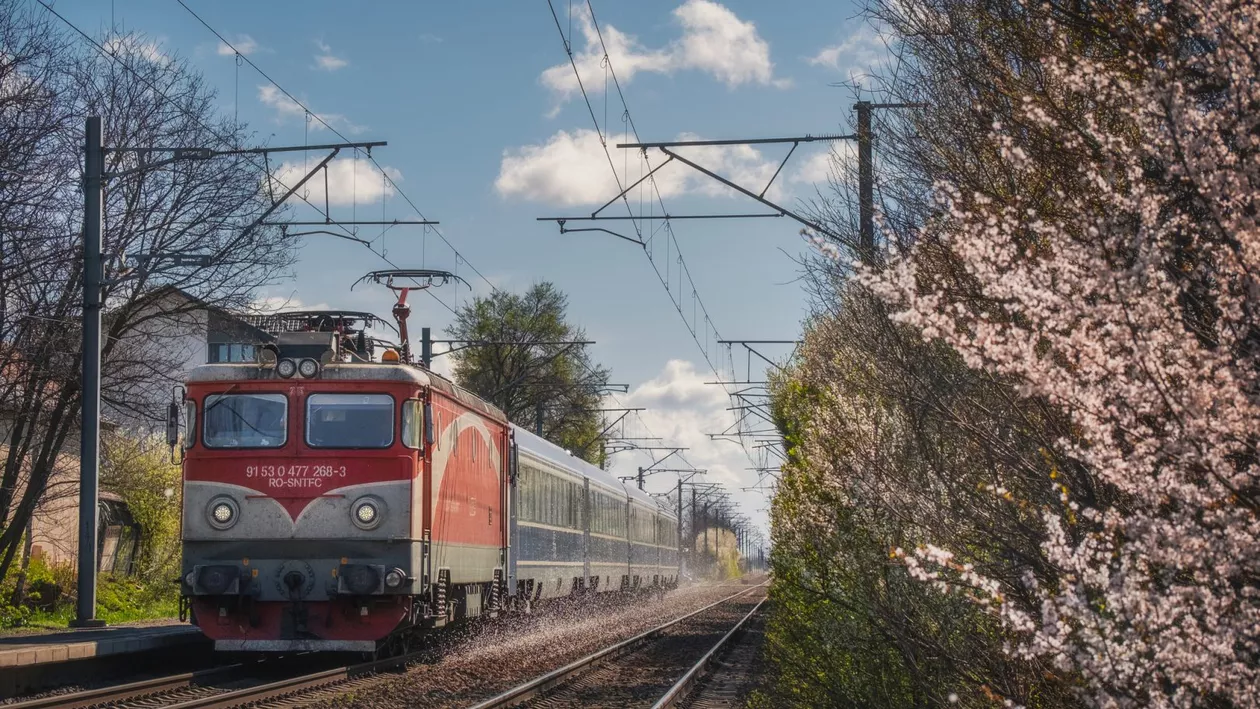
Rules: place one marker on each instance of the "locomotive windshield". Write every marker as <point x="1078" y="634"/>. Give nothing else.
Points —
<point x="246" y="420"/>
<point x="350" y="420"/>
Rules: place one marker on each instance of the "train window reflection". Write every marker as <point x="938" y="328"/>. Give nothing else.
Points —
<point x="245" y="421"/>
<point x="412" y="423"/>
<point x="350" y="420"/>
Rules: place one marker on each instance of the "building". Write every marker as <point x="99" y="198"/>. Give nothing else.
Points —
<point x="176" y="332"/>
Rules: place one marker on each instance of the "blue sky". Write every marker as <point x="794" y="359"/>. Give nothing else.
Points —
<point x="485" y="134"/>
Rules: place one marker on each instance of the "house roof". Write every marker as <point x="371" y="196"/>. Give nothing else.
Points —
<point x="239" y="320"/>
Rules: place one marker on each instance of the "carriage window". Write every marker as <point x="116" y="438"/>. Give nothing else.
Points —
<point x="412" y="423"/>
<point x="245" y="421"/>
<point x="350" y="420"/>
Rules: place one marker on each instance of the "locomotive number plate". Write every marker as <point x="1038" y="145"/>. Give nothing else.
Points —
<point x="295" y="475"/>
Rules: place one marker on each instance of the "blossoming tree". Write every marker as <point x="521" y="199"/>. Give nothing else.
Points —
<point x="1126" y="293"/>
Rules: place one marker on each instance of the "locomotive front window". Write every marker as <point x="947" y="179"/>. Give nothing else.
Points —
<point x="350" y="420"/>
<point x="245" y="421"/>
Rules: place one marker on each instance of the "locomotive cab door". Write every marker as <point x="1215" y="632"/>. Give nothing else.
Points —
<point x="426" y="496"/>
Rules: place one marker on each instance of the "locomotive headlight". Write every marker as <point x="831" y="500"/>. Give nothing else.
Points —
<point x="286" y="368"/>
<point x="308" y="368"/>
<point x="394" y="578"/>
<point x="367" y="514"/>
<point x="222" y="513"/>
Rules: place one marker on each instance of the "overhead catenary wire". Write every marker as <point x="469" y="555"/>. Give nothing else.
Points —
<point x="459" y="257"/>
<point x="310" y="115"/>
<point x="349" y="234"/>
<point x="329" y="126"/>
<point x="684" y="269"/>
<point x="225" y="140"/>
<point x="628" y="118"/>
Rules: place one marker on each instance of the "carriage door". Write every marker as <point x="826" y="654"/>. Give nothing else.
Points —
<point x="629" y="542"/>
<point x="586" y="532"/>
<point x="509" y="514"/>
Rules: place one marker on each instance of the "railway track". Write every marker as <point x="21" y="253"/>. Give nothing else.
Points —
<point x="286" y="682"/>
<point x="657" y="668"/>
<point x="722" y="678"/>
<point x="204" y="688"/>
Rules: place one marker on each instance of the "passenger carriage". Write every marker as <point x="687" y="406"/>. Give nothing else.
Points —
<point x="577" y="528"/>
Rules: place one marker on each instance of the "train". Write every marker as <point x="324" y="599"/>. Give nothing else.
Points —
<point x="333" y="501"/>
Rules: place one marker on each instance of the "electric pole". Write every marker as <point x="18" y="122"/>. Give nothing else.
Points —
<point x="680" y="527"/>
<point x="89" y="439"/>
<point x="694" y="522"/>
<point x="866" y="182"/>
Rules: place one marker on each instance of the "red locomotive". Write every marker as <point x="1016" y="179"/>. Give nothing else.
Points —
<point x="332" y="502"/>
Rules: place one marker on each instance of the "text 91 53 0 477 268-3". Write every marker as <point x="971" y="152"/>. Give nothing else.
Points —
<point x="295" y="475"/>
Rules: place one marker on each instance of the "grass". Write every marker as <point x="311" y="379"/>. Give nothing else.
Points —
<point x="60" y="618"/>
<point x="118" y="600"/>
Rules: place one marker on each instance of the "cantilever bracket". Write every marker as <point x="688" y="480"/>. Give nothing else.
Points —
<point x="564" y="230"/>
<point x="743" y="190"/>
<point x="665" y="148"/>
<point x="188" y="154"/>
<point x="626" y="191"/>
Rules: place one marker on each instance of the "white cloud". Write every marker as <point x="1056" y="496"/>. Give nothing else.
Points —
<point x="287" y="108"/>
<point x="326" y="60"/>
<point x="350" y="181"/>
<point x="714" y="40"/>
<point x="815" y="168"/>
<point x="283" y="105"/>
<point x="244" y="44"/>
<point x="820" y="166"/>
<point x="571" y="169"/>
<point x="683" y="410"/>
<point x="133" y="46"/>
<point x="441" y="365"/>
<point x="856" y="56"/>
<point x="429" y="38"/>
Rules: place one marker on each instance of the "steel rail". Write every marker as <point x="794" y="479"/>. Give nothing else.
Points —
<point x="123" y="692"/>
<point x="291" y="685"/>
<point x="541" y="684"/>
<point x="683" y="685"/>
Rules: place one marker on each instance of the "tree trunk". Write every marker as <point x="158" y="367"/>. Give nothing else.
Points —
<point x="19" y="587"/>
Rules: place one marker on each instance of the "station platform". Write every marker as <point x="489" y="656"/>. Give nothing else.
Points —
<point x="66" y="645"/>
<point x="35" y="660"/>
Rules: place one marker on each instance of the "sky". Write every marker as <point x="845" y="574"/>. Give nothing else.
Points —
<point x="488" y="130"/>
